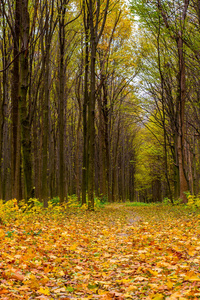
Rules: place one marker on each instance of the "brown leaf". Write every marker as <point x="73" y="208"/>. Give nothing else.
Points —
<point x="17" y="276"/>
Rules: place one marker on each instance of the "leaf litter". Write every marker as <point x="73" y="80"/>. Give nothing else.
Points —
<point x="117" y="252"/>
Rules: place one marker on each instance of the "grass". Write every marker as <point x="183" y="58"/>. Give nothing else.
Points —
<point x="138" y="204"/>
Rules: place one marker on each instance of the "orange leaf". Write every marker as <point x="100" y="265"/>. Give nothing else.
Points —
<point x="4" y="291"/>
<point x="17" y="276"/>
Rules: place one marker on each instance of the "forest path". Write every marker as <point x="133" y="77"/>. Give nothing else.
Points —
<point x="115" y="253"/>
<point x="131" y="216"/>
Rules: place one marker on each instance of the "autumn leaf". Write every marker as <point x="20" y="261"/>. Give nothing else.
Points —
<point x="192" y="278"/>
<point x="3" y="291"/>
<point x="42" y="297"/>
<point x="13" y="274"/>
<point x="158" y="297"/>
<point x="95" y="258"/>
<point x="44" y="291"/>
<point x="169" y="284"/>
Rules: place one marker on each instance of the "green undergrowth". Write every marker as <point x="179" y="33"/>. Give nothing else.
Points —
<point x="137" y="204"/>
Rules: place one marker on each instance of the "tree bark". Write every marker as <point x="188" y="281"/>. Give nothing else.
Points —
<point x="181" y="133"/>
<point x="91" y="109"/>
<point x="24" y="117"/>
<point x="62" y="11"/>
<point x="16" y="153"/>
<point x="85" y="110"/>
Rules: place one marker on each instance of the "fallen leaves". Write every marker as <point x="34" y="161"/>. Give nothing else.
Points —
<point x="12" y="274"/>
<point x="101" y="255"/>
<point x="3" y="291"/>
<point x="44" y="291"/>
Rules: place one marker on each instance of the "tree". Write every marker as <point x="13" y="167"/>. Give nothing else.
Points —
<point x="173" y="98"/>
<point x="93" y="29"/>
<point x="16" y="153"/>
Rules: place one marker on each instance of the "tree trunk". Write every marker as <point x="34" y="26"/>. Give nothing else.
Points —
<point x="24" y="117"/>
<point x="16" y="153"/>
<point x="181" y="133"/>
<point x="91" y="110"/>
<point x="62" y="11"/>
<point x="45" y="129"/>
<point x="85" y="111"/>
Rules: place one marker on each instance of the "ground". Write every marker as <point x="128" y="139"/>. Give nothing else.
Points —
<point x="117" y="252"/>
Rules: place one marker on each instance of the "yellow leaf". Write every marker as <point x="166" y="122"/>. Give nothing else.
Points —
<point x="154" y="273"/>
<point x="31" y="281"/>
<point x="142" y="256"/>
<point x="61" y="273"/>
<point x="158" y="297"/>
<point x="192" y="278"/>
<point x="44" y="291"/>
<point x="73" y="247"/>
<point x="101" y="292"/>
<point x="123" y="280"/>
<point x="106" y="232"/>
<point x="2" y="233"/>
<point x="169" y="284"/>
<point x="192" y="252"/>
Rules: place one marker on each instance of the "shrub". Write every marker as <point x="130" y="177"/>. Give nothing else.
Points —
<point x="193" y="201"/>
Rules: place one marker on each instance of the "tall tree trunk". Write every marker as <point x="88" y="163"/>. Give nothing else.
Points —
<point x="16" y="153"/>
<point x="181" y="133"/>
<point x="62" y="184"/>
<point x="102" y="166"/>
<point x="105" y="149"/>
<point x="45" y="129"/>
<point x="91" y="109"/>
<point x="95" y="34"/>
<point x="24" y="116"/>
<point x="115" y="157"/>
<point x="194" y="166"/>
<point x="85" y="111"/>
<point x="4" y="129"/>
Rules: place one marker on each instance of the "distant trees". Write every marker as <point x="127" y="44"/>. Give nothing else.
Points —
<point x="169" y="29"/>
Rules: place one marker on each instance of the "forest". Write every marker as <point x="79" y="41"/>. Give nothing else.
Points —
<point x="99" y="99"/>
<point x="99" y="149"/>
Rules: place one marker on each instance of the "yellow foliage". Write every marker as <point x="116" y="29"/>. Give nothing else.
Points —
<point x="169" y="284"/>
<point x="158" y="297"/>
<point x="193" y="201"/>
<point x="44" y="291"/>
<point x="115" y="42"/>
<point x="2" y="234"/>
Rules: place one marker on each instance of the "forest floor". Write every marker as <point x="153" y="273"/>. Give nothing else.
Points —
<point x="117" y="252"/>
